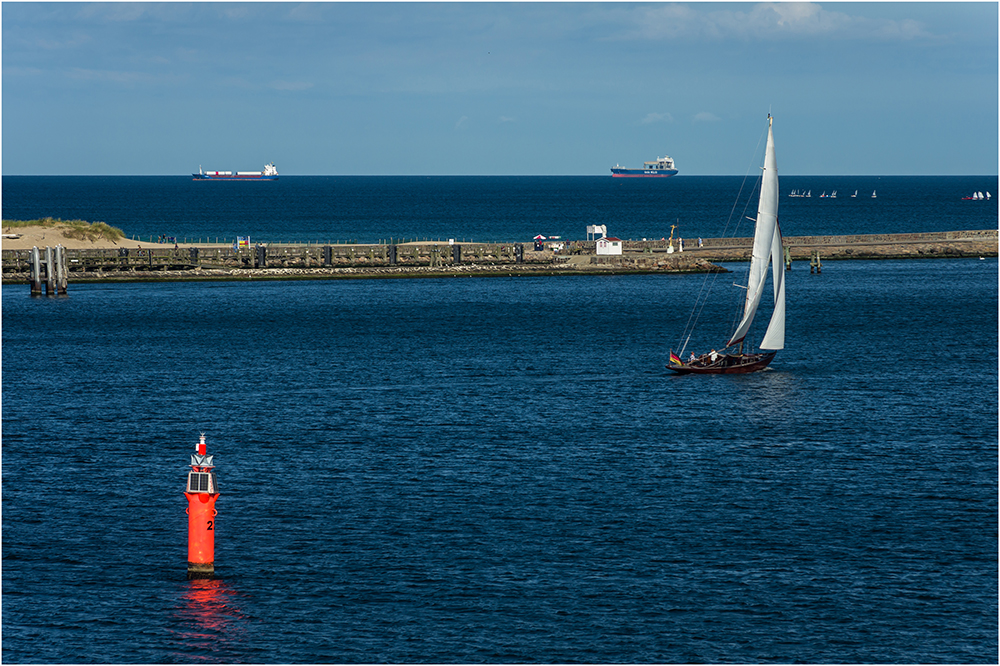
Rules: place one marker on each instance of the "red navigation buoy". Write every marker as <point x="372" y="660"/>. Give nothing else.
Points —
<point x="202" y="491"/>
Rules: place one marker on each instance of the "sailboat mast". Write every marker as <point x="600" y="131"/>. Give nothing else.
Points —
<point x="764" y="237"/>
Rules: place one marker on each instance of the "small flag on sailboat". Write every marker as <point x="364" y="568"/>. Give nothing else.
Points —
<point x="674" y="358"/>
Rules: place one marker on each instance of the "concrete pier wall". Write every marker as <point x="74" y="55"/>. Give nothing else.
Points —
<point x="646" y="255"/>
<point x="166" y="258"/>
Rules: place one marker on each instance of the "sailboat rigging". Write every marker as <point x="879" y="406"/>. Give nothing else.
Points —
<point x="767" y="249"/>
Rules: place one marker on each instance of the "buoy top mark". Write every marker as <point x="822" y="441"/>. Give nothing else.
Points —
<point x="201" y="459"/>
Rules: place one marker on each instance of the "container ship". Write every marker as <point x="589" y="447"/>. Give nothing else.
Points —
<point x="270" y="172"/>
<point x="658" y="168"/>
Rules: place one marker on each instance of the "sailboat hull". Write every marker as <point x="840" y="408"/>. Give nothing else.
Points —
<point x="725" y="364"/>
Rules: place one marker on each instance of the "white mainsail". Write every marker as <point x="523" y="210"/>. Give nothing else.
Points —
<point x="766" y="249"/>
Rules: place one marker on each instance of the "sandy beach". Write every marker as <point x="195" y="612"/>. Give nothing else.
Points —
<point x="25" y="238"/>
<point x="29" y="237"/>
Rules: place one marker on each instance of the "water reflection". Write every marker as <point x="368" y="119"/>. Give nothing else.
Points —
<point x="771" y="398"/>
<point x="209" y="623"/>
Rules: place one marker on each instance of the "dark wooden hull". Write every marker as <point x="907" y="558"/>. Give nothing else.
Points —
<point x="726" y="364"/>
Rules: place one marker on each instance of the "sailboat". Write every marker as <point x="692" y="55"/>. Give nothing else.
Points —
<point x="977" y="196"/>
<point x="767" y="249"/>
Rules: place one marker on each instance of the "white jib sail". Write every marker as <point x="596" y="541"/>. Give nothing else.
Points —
<point x="766" y="250"/>
<point x="774" y="337"/>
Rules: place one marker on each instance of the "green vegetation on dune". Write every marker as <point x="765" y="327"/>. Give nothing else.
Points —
<point x="79" y="229"/>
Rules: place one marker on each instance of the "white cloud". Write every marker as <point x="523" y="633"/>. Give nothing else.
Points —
<point x="652" y="118"/>
<point x="235" y="12"/>
<point x="307" y="12"/>
<point x="706" y="117"/>
<point x="506" y="119"/>
<point x="23" y="71"/>
<point x="132" y="12"/>
<point x="107" y="75"/>
<point x="76" y="41"/>
<point x="116" y="11"/>
<point x="769" y="20"/>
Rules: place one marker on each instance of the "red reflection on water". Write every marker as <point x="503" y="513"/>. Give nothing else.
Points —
<point x="208" y="621"/>
<point x="205" y="603"/>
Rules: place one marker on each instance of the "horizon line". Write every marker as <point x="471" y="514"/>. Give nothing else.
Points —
<point x="511" y="175"/>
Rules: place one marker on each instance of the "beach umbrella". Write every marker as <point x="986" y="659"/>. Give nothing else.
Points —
<point x="539" y="237"/>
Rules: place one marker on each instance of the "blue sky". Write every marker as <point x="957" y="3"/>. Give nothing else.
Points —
<point x="498" y="88"/>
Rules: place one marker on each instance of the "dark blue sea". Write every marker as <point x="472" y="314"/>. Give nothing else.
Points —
<point x="369" y="209"/>
<point x="501" y="470"/>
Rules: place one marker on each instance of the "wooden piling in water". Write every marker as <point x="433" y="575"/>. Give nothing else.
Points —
<point x="815" y="265"/>
<point x="62" y="273"/>
<point x="50" y="274"/>
<point x="49" y="270"/>
<point x="36" y="273"/>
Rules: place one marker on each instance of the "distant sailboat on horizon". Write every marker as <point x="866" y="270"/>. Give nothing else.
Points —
<point x="977" y="196"/>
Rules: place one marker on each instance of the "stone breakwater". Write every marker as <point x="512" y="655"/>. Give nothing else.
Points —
<point x="369" y="271"/>
<point x="429" y="259"/>
<point x="944" y="244"/>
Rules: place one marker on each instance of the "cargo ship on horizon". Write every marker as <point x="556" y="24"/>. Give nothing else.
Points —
<point x="270" y="172"/>
<point x="659" y="168"/>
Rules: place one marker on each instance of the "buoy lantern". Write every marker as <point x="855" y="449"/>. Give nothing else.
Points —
<point x="202" y="491"/>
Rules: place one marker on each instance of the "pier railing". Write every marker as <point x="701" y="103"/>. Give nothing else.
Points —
<point x="159" y="257"/>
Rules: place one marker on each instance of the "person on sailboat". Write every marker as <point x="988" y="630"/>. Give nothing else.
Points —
<point x="714" y="355"/>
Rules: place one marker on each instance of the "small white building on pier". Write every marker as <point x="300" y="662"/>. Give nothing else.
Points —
<point x="609" y="245"/>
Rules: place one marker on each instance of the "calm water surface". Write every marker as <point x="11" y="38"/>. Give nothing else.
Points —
<point x="506" y="209"/>
<point x="501" y="470"/>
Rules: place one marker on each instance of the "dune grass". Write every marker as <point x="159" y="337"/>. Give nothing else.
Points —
<point x="79" y="229"/>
